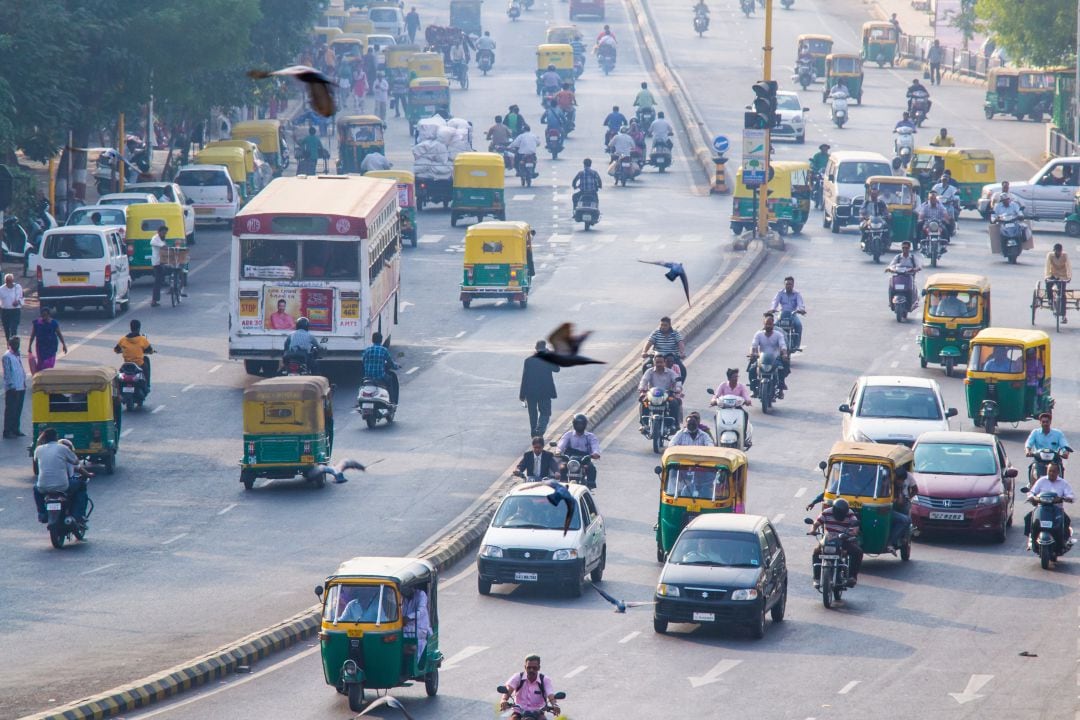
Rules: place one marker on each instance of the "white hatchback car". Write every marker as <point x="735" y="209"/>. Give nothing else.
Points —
<point x="213" y="193"/>
<point x="792" y="117"/>
<point x="525" y="545"/>
<point x="893" y="409"/>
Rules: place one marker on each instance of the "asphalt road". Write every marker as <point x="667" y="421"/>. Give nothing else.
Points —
<point x="938" y="637"/>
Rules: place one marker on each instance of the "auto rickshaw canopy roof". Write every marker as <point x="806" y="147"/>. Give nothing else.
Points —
<point x="233" y="158"/>
<point x="812" y="36"/>
<point x="955" y="152"/>
<point x="892" y="180"/>
<point x="296" y="387"/>
<point x="697" y="455"/>
<point x="479" y="170"/>
<point x="73" y="379"/>
<point x="884" y="24"/>
<point x="834" y="57"/>
<point x="144" y="219"/>
<point x="893" y="454"/>
<point x="264" y="133"/>
<point x="401" y="570"/>
<point x="249" y="148"/>
<point x="557" y="34"/>
<point x="397" y="56"/>
<point x="561" y="55"/>
<point x="958" y="281"/>
<point x="1011" y="336"/>
<point x="358" y="121"/>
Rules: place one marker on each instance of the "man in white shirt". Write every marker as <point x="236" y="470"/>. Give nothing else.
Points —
<point x="11" y="302"/>
<point x="662" y="377"/>
<point x="1006" y="210"/>
<point x="692" y="434"/>
<point x="768" y="342"/>
<point x="661" y="128"/>
<point x="524" y="144"/>
<point x="1051" y="482"/>
<point x="14" y="389"/>
<point x="622" y="143"/>
<point x="417" y="618"/>
<point x="156" y="244"/>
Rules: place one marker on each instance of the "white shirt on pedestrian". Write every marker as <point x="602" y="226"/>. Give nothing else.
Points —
<point x="156" y="243"/>
<point x="11" y="298"/>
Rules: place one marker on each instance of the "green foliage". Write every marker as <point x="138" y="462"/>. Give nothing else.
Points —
<point x="1033" y="32"/>
<point x="967" y="21"/>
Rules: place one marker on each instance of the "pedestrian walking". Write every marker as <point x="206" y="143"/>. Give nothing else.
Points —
<point x="46" y="333"/>
<point x="381" y="90"/>
<point x="11" y="302"/>
<point x="360" y="86"/>
<point x="371" y="66"/>
<point x="412" y="24"/>
<point x="14" y="389"/>
<point x="538" y="390"/>
<point x="934" y="56"/>
<point x="156" y="244"/>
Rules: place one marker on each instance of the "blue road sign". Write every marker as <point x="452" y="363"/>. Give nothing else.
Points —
<point x="720" y="144"/>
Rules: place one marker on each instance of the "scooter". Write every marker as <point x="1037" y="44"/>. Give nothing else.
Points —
<point x="903" y="146"/>
<point x="526" y="169"/>
<point x="373" y="403"/>
<point x="804" y="73"/>
<point x="513" y="11"/>
<point x="485" y="59"/>
<point x="587" y="209"/>
<point x="554" y="142"/>
<point x="875" y="237"/>
<point x="60" y="523"/>
<point x="920" y="106"/>
<point x="901" y="292"/>
<point x="839" y="110"/>
<point x="540" y="714"/>
<point x="933" y="245"/>
<point x="701" y="23"/>
<point x="660" y="156"/>
<point x="732" y="423"/>
<point x="645" y="118"/>
<point x="834" y="562"/>
<point x="1048" y="539"/>
<point x="658" y="421"/>
<point x="1013" y="233"/>
<point x="606" y="57"/>
<point x="1041" y="459"/>
<point x="133" y="390"/>
<point x="624" y="169"/>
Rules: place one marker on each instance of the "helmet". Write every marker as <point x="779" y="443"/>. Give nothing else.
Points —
<point x="302" y="323"/>
<point x="840" y="509"/>
<point x="551" y="67"/>
<point x="580" y="422"/>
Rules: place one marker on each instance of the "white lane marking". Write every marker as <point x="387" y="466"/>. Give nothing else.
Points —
<point x="777" y="518"/>
<point x="629" y="637"/>
<point x="894" y="363"/>
<point x="576" y="671"/>
<point x="714" y="673"/>
<point x="411" y="370"/>
<point x="187" y="387"/>
<point x="405" y="305"/>
<point x="214" y="369"/>
<point x="158" y="409"/>
<point x="975" y="684"/>
<point x="800" y="492"/>
<point x="556" y="239"/>
<point x="690" y="238"/>
<point x="460" y="334"/>
<point x="226" y="509"/>
<point x="524" y="197"/>
<point x="429" y="239"/>
<point x="124" y="433"/>
<point x="904" y="348"/>
<point x="645" y="239"/>
<point x="98" y="569"/>
<point x="848" y="688"/>
<point x="171" y="540"/>
<point x="438" y="351"/>
<point x="462" y="655"/>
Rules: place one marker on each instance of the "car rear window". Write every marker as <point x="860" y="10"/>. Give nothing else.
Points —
<point x="908" y="403"/>
<point x="202" y="178"/>
<point x="74" y="246"/>
<point x="108" y="217"/>
<point x="383" y="15"/>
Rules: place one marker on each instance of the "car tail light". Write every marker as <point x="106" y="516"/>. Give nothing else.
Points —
<point x="229" y="196"/>
<point x="108" y="273"/>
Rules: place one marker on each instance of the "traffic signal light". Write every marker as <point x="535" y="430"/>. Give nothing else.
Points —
<point x="765" y="104"/>
<point x="753" y="121"/>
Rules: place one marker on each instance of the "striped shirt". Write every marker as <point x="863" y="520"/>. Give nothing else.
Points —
<point x="665" y="344"/>
<point x="833" y="526"/>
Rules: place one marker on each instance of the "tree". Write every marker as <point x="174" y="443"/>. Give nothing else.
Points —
<point x="967" y="21"/>
<point x="1039" y="32"/>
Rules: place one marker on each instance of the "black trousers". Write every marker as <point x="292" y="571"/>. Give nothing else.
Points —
<point x="159" y="282"/>
<point x="13" y="405"/>
<point x="10" y="318"/>
<point x="539" y="414"/>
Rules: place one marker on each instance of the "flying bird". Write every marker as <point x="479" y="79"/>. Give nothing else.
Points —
<point x="566" y="348"/>
<point x="620" y="606"/>
<point x="559" y="494"/>
<point x="337" y="472"/>
<point x="322" y="99"/>
<point x="675" y="270"/>
<point x="388" y="701"/>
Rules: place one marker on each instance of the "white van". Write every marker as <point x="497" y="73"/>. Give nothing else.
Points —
<point x="844" y="185"/>
<point x="211" y="190"/>
<point x="388" y="20"/>
<point x="84" y="265"/>
<point x="525" y="544"/>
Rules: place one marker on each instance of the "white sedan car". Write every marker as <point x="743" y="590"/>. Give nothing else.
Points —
<point x="893" y="409"/>
<point x="792" y="117"/>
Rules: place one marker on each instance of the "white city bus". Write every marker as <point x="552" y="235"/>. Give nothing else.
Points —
<point x="327" y="248"/>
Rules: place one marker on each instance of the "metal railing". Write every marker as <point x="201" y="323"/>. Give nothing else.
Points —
<point x="962" y="62"/>
<point x="1058" y="143"/>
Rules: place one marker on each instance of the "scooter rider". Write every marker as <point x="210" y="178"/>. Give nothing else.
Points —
<point x="579" y="442"/>
<point x="586" y="182"/>
<point x="790" y="300"/>
<point x="769" y="342"/>
<point x="661" y="130"/>
<point x="566" y="101"/>
<point x="1051" y="482"/>
<point x="733" y="387"/>
<point x="905" y="122"/>
<point x="134" y="347"/>
<point x="666" y="379"/>
<point x="703" y="10"/>
<point x="524" y="145"/>
<point x="839" y="519"/>
<point x="613" y="122"/>
<point x="906" y="261"/>
<point x="948" y="193"/>
<point x="1006" y="210"/>
<point x="301" y="344"/>
<point x="379" y="366"/>
<point x="531" y="691"/>
<point x="644" y="99"/>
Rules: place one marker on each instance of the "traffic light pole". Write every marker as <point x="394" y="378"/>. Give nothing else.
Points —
<point x="763" y="191"/>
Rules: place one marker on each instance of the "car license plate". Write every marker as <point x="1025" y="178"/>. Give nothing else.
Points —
<point x="72" y="279"/>
<point x="525" y="577"/>
<point x="52" y="506"/>
<point x="128" y="389"/>
<point x="704" y="617"/>
<point x="203" y="210"/>
<point x="1046" y="523"/>
<point x="946" y="516"/>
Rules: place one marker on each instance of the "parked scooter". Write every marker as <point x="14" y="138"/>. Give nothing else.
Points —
<point x="587" y="209"/>
<point x="660" y="155"/>
<point x="903" y="146"/>
<point x="901" y="293"/>
<point x="133" y="388"/>
<point x="1048" y="537"/>
<point x="732" y="423"/>
<point x="373" y="403"/>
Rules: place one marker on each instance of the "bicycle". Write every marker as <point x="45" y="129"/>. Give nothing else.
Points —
<point x="177" y="260"/>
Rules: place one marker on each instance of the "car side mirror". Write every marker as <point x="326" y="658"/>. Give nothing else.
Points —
<point x="658" y="469"/>
<point x="822" y="465"/>
<point x="951" y="412"/>
<point x="845" y="408"/>
<point x="1011" y="473"/>
<point x="318" y="590"/>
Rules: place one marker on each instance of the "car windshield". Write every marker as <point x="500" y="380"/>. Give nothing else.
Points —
<point x="898" y="401"/>
<point x="109" y="216"/>
<point x="788" y="102"/>
<point x="855" y="173"/>
<point x="858" y="478"/>
<point x="955" y="459"/>
<point x="533" y="512"/>
<point x="202" y="178"/>
<point x="709" y="483"/>
<point x="952" y="304"/>
<point x="74" y="246"/>
<point x="361" y="603"/>
<point x="729" y="549"/>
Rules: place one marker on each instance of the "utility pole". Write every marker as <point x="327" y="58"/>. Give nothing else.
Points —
<point x="766" y="74"/>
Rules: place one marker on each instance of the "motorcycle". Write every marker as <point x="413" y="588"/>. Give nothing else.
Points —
<point x="485" y="59"/>
<point x="933" y="245"/>
<point x="513" y="11"/>
<point x="587" y="210"/>
<point x="732" y="423"/>
<point x="503" y="149"/>
<point x="804" y="73"/>
<point x="298" y="363"/>
<point x="792" y="337"/>
<point x="834" y="562"/>
<point x="658" y="422"/>
<point x="1041" y="459"/>
<point x="1013" y="235"/>
<point x="660" y="156"/>
<point x="526" y="169"/>
<point x="817" y="189"/>
<point x="624" y="169"/>
<point x="920" y="106"/>
<point x="60" y="523"/>
<point x="373" y="403"/>
<point x="606" y="57"/>
<point x="1048" y="539"/>
<point x="768" y="380"/>
<point x="133" y="389"/>
<point x="701" y="23"/>
<point x="574" y="467"/>
<point x="839" y="110"/>
<point x="645" y="118"/>
<point x="540" y="714"/>
<point x="747" y="6"/>
<point x="903" y="146"/>
<point x="875" y="237"/>
<point x="579" y="65"/>
<point x="554" y="142"/>
<point x="901" y="292"/>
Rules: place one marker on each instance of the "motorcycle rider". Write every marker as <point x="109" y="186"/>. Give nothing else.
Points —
<point x="379" y="366"/>
<point x="586" y="182"/>
<point x="948" y="193"/>
<point x="934" y="209"/>
<point x="135" y="347"/>
<point x="820" y="160"/>
<point x="943" y="139"/>
<point x="703" y="10"/>
<point x="553" y="117"/>
<point x="498" y="135"/>
<point x="531" y="691"/>
<point x="55" y="462"/>
<point x="790" y="300"/>
<point x="644" y="100"/>
<point x="515" y="122"/>
<point x="918" y="91"/>
<point x="839" y="519"/>
<point x="606" y="46"/>
<point x="522" y="146"/>
<point x="301" y="345"/>
<point x="1051" y="482"/>
<point x="485" y="44"/>
<point x="768" y="342"/>
<point x="662" y="130"/>
<point x="613" y="122"/>
<point x="875" y="207"/>
<point x="906" y="261"/>
<point x="669" y="341"/>
<point x="1046" y="437"/>
<point x="580" y="442"/>
<point x="665" y="378"/>
<point x="550" y="81"/>
<point x="694" y="434"/>
<point x="567" y="101"/>
<point x="605" y="33"/>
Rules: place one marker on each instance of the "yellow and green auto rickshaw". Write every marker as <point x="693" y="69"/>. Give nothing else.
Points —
<point x="789" y="198"/>
<point x="143" y="221"/>
<point x="397" y="74"/>
<point x="1020" y="92"/>
<point x="866" y="474"/>
<point x="426" y="65"/>
<point x="879" y="39"/>
<point x="324" y="35"/>
<point x="233" y="159"/>
<point x="83" y="405"/>
<point x="380" y="626"/>
<point x="349" y="44"/>
<point x="358" y="136"/>
<point x="956" y="306"/>
<point x="563" y="34"/>
<point x="427" y="96"/>
<point x="845" y="68"/>
<point x="406" y="187"/>
<point x="1008" y="377"/>
<point x="561" y="56"/>
<point x="288" y="429"/>
<point x="465" y="16"/>
<point x="358" y="24"/>
<point x="259" y="172"/>
<point x="819" y="47"/>
<point x="269" y="136"/>
<point x="901" y="195"/>
<point x="971" y="169"/>
<point x="697" y="481"/>
<point x="479" y="187"/>
<point x="498" y="262"/>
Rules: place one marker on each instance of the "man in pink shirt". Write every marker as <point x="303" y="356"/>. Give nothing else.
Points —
<point x="732" y="387"/>
<point x="530" y="689"/>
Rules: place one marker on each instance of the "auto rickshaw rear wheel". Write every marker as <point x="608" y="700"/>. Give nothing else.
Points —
<point x="661" y="556"/>
<point x="1072" y="227"/>
<point x="247" y="479"/>
<point x="431" y="683"/>
<point x="356" y="696"/>
<point x="110" y="463"/>
<point x="905" y="551"/>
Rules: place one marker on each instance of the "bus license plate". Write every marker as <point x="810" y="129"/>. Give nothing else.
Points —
<point x="946" y="516"/>
<point x="704" y="617"/>
<point x="1046" y="523"/>
<point x="525" y="577"/>
<point x="53" y="506"/>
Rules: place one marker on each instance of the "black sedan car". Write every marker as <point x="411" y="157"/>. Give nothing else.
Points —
<point x="723" y="569"/>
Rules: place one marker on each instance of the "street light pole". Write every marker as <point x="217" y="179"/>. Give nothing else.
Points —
<point x="766" y="74"/>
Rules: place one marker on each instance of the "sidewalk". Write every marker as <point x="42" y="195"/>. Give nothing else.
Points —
<point x="918" y="32"/>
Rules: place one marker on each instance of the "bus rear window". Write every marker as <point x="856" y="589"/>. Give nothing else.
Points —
<point x="315" y="259"/>
<point x="268" y="259"/>
<point x="330" y="260"/>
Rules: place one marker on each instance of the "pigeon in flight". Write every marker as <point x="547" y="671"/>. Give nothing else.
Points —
<point x="322" y="99"/>
<point x="388" y="701"/>
<point x="337" y="472"/>
<point x="620" y="606"/>
<point x="561" y="494"/>
<point x="675" y="270"/>
<point x="566" y="347"/>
